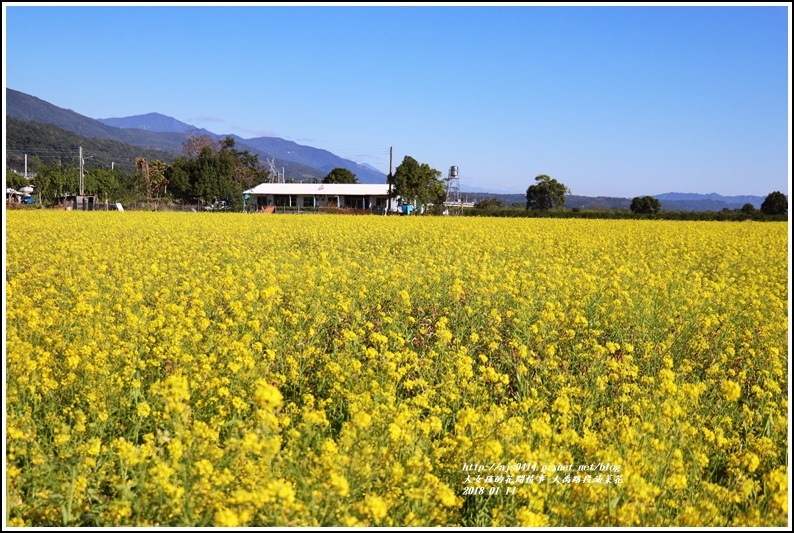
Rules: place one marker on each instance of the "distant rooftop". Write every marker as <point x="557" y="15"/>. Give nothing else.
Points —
<point x="331" y="189"/>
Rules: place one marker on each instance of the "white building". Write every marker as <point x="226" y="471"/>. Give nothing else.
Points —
<point x="370" y="197"/>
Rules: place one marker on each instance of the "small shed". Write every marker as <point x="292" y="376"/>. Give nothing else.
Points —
<point x="80" y="202"/>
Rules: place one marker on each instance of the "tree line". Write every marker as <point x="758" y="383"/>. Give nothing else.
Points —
<point x="547" y="193"/>
<point x="212" y="172"/>
<point x="209" y="171"/>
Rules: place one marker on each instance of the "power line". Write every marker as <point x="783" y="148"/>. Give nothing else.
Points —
<point x="363" y="151"/>
<point x="94" y="160"/>
<point x="39" y="151"/>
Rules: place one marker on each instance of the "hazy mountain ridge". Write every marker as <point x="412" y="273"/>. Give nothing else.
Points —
<point x="154" y="122"/>
<point x="274" y="147"/>
<point x="322" y="160"/>
<point x="730" y="200"/>
<point x="36" y="138"/>
<point x="693" y="201"/>
<point x="25" y="107"/>
<point x="367" y="165"/>
<point x="29" y="108"/>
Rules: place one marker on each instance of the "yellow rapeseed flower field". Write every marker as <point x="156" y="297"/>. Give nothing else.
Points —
<point x="194" y="369"/>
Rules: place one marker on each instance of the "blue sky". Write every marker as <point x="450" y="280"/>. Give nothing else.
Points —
<point x="610" y="100"/>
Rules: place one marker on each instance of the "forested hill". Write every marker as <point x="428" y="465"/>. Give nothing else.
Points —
<point x="29" y="108"/>
<point x="51" y="144"/>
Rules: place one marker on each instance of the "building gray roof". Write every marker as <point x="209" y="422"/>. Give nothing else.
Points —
<point x="329" y="189"/>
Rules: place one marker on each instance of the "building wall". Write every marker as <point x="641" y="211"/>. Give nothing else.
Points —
<point x="80" y="203"/>
<point x="321" y="201"/>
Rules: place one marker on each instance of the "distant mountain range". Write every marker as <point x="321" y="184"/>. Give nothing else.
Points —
<point x="29" y="108"/>
<point x="669" y="201"/>
<point x="154" y="122"/>
<point x="155" y="134"/>
<point x="160" y="132"/>
<point x="679" y="201"/>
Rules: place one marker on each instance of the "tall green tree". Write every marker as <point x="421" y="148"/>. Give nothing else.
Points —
<point x="775" y="204"/>
<point x="546" y="193"/>
<point x="150" y="178"/>
<point x="104" y="182"/>
<point x="340" y="175"/>
<point x="247" y="170"/>
<point x="54" y="181"/>
<point x="179" y="175"/>
<point x="489" y="203"/>
<point x="414" y="182"/>
<point x="215" y="177"/>
<point x="16" y="181"/>
<point x="748" y="208"/>
<point x="646" y="205"/>
<point x="217" y="172"/>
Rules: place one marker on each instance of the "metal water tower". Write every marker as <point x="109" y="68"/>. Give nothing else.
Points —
<point x="453" y="185"/>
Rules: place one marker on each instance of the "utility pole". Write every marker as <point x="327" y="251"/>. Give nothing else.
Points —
<point x="81" y="171"/>
<point x="391" y="178"/>
<point x="26" y="166"/>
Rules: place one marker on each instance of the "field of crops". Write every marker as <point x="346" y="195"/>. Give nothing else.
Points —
<point x="191" y="369"/>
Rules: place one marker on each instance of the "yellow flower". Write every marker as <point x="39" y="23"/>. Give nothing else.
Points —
<point x="446" y="495"/>
<point x="362" y="419"/>
<point x="226" y="518"/>
<point x="493" y="450"/>
<point x="751" y="461"/>
<point x="731" y="389"/>
<point x="562" y="405"/>
<point x="376" y="507"/>
<point x="204" y="468"/>
<point x="339" y="482"/>
<point x="541" y="426"/>
<point x="779" y="482"/>
<point x="268" y="396"/>
<point x="677" y="481"/>
<point x="143" y="409"/>
<point x="528" y="518"/>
